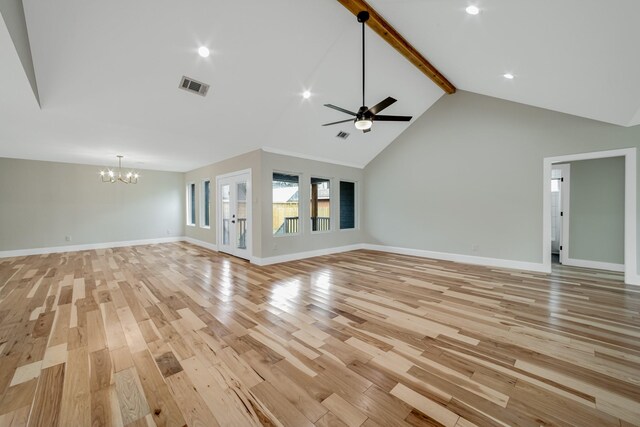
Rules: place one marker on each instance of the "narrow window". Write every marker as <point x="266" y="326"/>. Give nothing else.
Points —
<point x="347" y="205"/>
<point x="320" y="204"/>
<point x="191" y="203"/>
<point x="285" y="204"/>
<point x="205" y="213"/>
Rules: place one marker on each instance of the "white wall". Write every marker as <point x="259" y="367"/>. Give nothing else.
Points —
<point x="43" y="202"/>
<point x="466" y="177"/>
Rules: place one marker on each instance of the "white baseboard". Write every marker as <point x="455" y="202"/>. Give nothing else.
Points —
<point x="201" y="243"/>
<point x="86" y="247"/>
<point x="302" y="255"/>
<point x="594" y="264"/>
<point x="465" y="259"/>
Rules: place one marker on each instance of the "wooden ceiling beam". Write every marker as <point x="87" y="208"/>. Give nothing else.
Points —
<point x="378" y="24"/>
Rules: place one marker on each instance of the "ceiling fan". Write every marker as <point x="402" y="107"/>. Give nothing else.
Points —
<point x="365" y="116"/>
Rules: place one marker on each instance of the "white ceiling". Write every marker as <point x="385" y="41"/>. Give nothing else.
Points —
<point x="108" y="73"/>
<point x="578" y="57"/>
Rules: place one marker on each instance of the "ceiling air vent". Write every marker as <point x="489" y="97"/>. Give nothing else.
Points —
<point x="194" y="86"/>
<point x="342" y="135"/>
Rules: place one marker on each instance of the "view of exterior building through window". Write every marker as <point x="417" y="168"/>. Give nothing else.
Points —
<point x="286" y="204"/>
<point x="320" y="204"/>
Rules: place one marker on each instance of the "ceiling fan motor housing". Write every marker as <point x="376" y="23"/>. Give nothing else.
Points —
<point x="362" y="113"/>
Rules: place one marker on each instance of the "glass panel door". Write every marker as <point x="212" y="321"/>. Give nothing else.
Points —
<point x="225" y="192"/>
<point x="241" y="209"/>
<point x="234" y="225"/>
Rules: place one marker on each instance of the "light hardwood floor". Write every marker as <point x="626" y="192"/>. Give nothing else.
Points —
<point x="177" y="335"/>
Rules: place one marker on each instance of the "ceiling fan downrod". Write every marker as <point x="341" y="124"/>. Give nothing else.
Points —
<point x="364" y="118"/>
<point x="363" y="17"/>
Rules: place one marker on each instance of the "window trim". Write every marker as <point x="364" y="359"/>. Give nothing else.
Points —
<point x="202" y="204"/>
<point x="301" y="226"/>
<point x="189" y="203"/>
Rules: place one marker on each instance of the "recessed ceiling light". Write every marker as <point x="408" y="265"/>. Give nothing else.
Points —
<point x="508" y="76"/>
<point x="306" y="94"/>
<point x="472" y="10"/>
<point x="203" y="51"/>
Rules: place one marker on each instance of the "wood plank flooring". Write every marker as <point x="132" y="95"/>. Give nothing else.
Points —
<point x="174" y="335"/>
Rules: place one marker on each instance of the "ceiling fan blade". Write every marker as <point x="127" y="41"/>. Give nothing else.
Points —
<point x="392" y="118"/>
<point x="335" y="123"/>
<point x="340" y="109"/>
<point x="381" y="105"/>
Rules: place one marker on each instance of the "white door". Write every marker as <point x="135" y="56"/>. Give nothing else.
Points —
<point x="234" y="214"/>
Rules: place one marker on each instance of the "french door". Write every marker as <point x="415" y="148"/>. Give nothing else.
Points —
<point x="234" y="213"/>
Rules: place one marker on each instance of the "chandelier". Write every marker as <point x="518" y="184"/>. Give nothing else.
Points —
<point x="112" y="176"/>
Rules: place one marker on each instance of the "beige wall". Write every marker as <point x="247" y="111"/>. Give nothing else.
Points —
<point x="468" y="174"/>
<point x="306" y="240"/>
<point x="251" y="160"/>
<point x="43" y="202"/>
<point x="262" y="165"/>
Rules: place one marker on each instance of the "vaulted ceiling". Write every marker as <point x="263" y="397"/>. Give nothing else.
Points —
<point x="108" y="72"/>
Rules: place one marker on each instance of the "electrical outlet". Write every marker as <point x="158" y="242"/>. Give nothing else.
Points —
<point x="168" y="231"/>
<point x="67" y="238"/>
<point x="475" y="248"/>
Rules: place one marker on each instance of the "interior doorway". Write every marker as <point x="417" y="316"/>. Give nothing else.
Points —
<point x="631" y="275"/>
<point x="560" y="212"/>
<point x="234" y="225"/>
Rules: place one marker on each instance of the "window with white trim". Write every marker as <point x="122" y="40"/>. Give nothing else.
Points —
<point x="205" y="204"/>
<point x="320" y="207"/>
<point x="285" y="201"/>
<point x="191" y="203"/>
<point x="347" y="205"/>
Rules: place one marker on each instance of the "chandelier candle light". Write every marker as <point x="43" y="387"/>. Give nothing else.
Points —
<point x="109" y="175"/>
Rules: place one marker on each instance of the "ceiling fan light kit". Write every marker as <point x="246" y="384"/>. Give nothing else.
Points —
<point x="364" y="124"/>
<point x="365" y="116"/>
